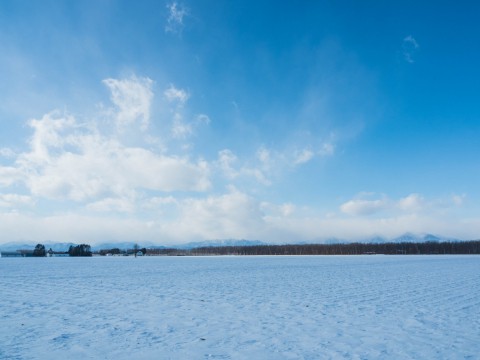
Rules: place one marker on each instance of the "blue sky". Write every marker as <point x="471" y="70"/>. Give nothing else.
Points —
<point x="172" y="122"/>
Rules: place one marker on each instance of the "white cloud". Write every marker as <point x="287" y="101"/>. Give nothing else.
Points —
<point x="7" y="153"/>
<point x="112" y="205"/>
<point x="15" y="200"/>
<point x="133" y="99"/>
<point x="287" y="209"/>
<point x="303" y="156"/>
<point x="234" y="214"/>
<point x="328" y="149"/>
<point x="263" y="155"/>
<point x="49" y="134"/>
<point x="176" y="13"/>
<point x="182" y="129"/>
<point x="321" y="228"/>
<point x="230" y="167"/>
<point x="363" y="207"/>
<point x="257" y="174"/>
<point x="98" y="166"/>
<point x="69" y="160"/>
<point x="226" y="162"/>
<point x="173" y="94"/>
<point x="411" y="203"/>
<point x="410" y="47"/>
<point x="159" y="201"/>
<point x="9" y="175"/>
<point x="74" y="227"/>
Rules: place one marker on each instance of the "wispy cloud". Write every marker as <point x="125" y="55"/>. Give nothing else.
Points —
<point x="303" y="156"/>
<point x="7" y="153"/>
<point x="176" y="14"/>
<point x="173" y="94"/>
<point x="327" y="149"/>
<point x="410" y="47"/>
<point x="360" y="206"/>
<point x="182" y="128"/>
<point x="365" y="204"/>
<point x="232" y="168"/>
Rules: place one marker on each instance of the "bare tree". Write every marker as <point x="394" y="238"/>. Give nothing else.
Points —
<point x="135" y="249"/>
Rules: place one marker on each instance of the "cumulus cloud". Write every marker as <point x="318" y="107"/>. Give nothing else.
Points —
<point x="176" y="14"/>
<point x="410" y="47"/>
<point x="75" y="161"/>
<point x="133" y="99"/>
<point x="95" y="165"/>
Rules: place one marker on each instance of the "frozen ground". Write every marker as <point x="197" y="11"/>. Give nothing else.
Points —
<point x="359" y="307"/>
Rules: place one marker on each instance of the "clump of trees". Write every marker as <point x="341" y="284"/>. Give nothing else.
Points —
<point x="80" y="250"/>
<point x="39" y="251"/>
<point x="116" y="251"/>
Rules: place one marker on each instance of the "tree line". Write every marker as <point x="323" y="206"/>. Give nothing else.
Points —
<point x="389" y="248"/>
<point x="404" y="248"/>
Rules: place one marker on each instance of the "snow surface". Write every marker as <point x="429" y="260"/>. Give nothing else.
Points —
<point x="309" y="307"/>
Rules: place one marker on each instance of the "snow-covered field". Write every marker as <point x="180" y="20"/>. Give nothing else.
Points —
<point x="311" y="307"/>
